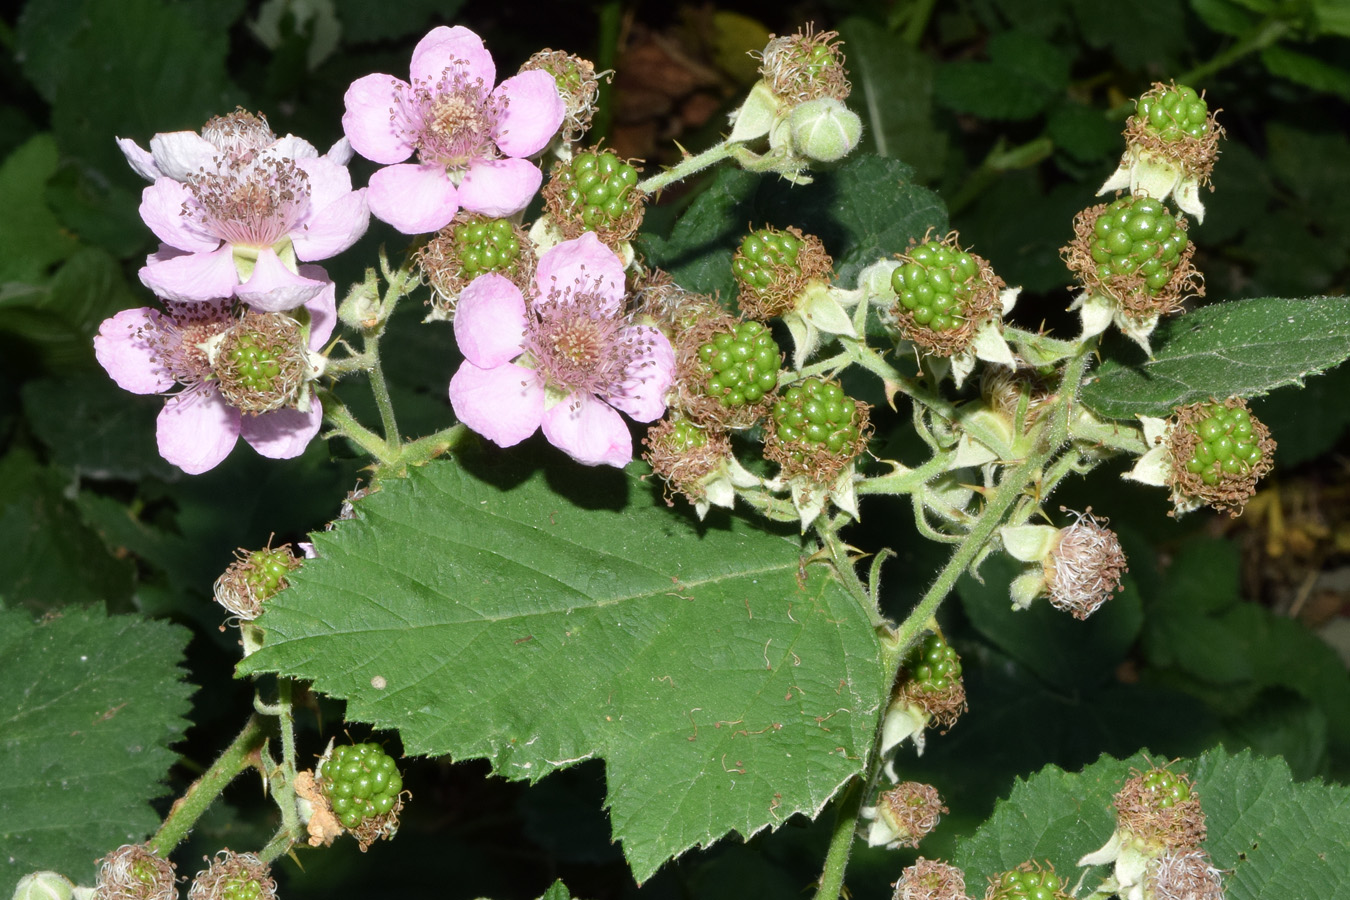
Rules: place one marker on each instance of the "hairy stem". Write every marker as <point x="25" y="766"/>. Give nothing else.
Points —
<point x="688" y="166"/>
<point x="344" y="424"/>
<point x="841" y="842"/>
<point x="203" y="792"/>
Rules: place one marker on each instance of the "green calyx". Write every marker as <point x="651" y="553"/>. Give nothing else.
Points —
<point x="935" y="285"/>
<point x="1164" y="789"/>
<point x="762" y="257"/>
<point x="1227" y="445"/>
<point x="361" y="782"/>
<point x="1174" y="113"/>
<point x="486" y="245"/>
<point x="819" y="415"/>
<point x="934" y="665"/>
<point x="742" y="366"/>
<point x="241" y="888"/>
<point x="1021" y="884"/>
<point x="597" y="189"/>
<point x="1137" y="236"/>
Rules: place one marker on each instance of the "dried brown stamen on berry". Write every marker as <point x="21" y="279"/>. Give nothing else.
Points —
<point x="234" y="875"/>
<point x="578" y="85"/>
<point x="805" y="66"/>
<point x="239" y="133"/>
<point x="1086" y="566"/>
<point x="134" y="872"/>
<point x="912" y="809"/>
<point x="930" y="879"/>
<point x="262" y="362"/>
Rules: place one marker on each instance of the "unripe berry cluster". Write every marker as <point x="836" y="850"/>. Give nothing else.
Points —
<point x="596" y="191"/>
<point x="577" y="84"/>
<point x="731" y="371"/>
<point x="1134" y="251"/>
<point x="683" y="454"/>
<point x="773" y="267"/>
<point x="261" y="363"/>
<point x="931" y="680"/>
<point x="134" y="872"/>
<point x="944" y="294"/>
<point x="1026" y="884"/>
<point x="234" y="876"/>
<point x="253" y="578"/>
<point x="1173" y="123"/>
<point x="473" y="245"/>
<point x="1162" y="809"/>
<point x="805" y="66"/>
<point x="816" y="429"/>
<point x="361" y="783"/>
<point x="1219" y="451"/>
<point x="930" y="879"/>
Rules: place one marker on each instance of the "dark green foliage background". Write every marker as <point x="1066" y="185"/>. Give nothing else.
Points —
<point x="996" y="117"/>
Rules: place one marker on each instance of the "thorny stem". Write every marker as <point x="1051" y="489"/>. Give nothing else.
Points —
<point x="203" y="792"/>
<point x="688" y="166"/>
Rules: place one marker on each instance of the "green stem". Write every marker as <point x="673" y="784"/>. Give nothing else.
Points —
<point x="906" y="481"/>
<point x="203" y="792"/>
<point x="841" y="843"/>
<point x="917" y="24"/>
<point x="1260" y="37"/>
<point x="380" y="388"/>
<point x="346" y="425"/>
<point x="688" y="166"/>
<point x="606" y="57"/>
<point x="278" y="846"/>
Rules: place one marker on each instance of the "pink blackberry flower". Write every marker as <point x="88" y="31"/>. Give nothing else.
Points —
<point x="241" y="228"/>
<point x="470" y="138"/>
<point x="183" y="154"/>
<point x="565" y="359"/>
<point x="234" y="376"/>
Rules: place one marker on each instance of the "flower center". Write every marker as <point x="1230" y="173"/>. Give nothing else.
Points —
<point x="178" y="343"/>
<point x="251" y="201"/>
<point x="239" y="133"/>
<point x="458" y="119"/>
<point x="578" y="343"/>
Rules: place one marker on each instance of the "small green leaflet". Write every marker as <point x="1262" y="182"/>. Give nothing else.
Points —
<point x="1243" y="348"/>
<point x="483" y="613"/>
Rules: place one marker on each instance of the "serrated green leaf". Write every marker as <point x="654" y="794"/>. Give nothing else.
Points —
<point x="1023" y="76"/>
<point x="1273" y="838"/>
<point x="1244" y="348"/>
<point x="885" y="211"/>
<point x="1306" y="70"/>
<point x="31" y="240"/>
<point x="497" y="620"/>
<point x="557" y="891"/>
<point x="893" y="92"/>
<point x="1083" y="132"/>
<point x="90" y="706"/>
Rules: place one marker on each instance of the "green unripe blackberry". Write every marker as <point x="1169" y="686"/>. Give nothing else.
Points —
<point x="596" y="192"/>
<point x="1173" y="112"/>
<point x="234" y="876"/>
<point x="684" y="436"/>
<point x="1137" y="237"/>
<point x="1219" y="451"/>
<point x="1228" y="444"/>
<point x="936" y="284"/>
<point x="255" y="367"/>
<point x="361" y="782"/>
<point x="741" y="366"/>
<point x="1165" y="789"/>
<point x="817" y="414"/>
<point x="486" y="245"/>
<point x="1024" y="884"/>
<point x="577" y="86"/>
<point x="267" y="570"/>
<point x="934" y="665"/>
<point x="805" y="66"/>
<point x="254" y="578"/>
<point x="762" y="254"/>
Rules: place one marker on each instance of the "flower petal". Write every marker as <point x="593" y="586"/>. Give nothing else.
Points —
<point x="181" y="154"/>
<point x="322" y="307"/>
<point x="162" y="211"/>
<point x="459" y="47"/>
<point x="534" y="112"/>
<point x="175" y="275"/>
<point x="282" y="433"/>
<point x="583" y="261"/>
<point x="292" y="147"/>
<point x="140" y="160"/>
<point x="499" y="187"/>
<point x="374" y="122"/>
<point x="337" y="216"/>
<point x="122" y="349"/>
<point x="589" y="431"/>
<point x="651" y="368"/>
<point x="504" y="404"/>
<point x="196" y="430"/>
<point x="490" y="321"/>
<point x="274" y="288"/>
<point x="414" y="199"/>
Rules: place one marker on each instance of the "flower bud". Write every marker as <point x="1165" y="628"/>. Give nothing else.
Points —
<point x="825" y="130"/>
<point x="930" y="879"/>
<point x="44" y="886"/>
